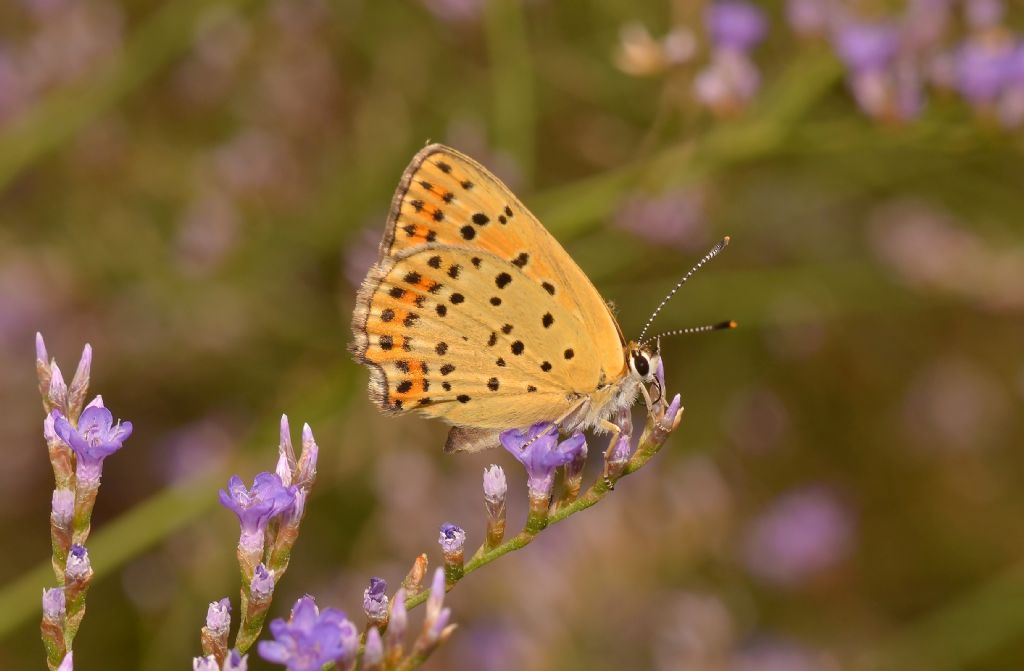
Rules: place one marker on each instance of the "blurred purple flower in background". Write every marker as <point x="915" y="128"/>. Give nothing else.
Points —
<point x="677" y="217"/>
<point x="982" y="68"/>
<point x="734" y="24"/>
<point x="799" y="535"/>
<point x="731" y="79"/>
<point x="310" y="638"/>
<point x="455" y="11"/>
<point x="867" y="46"/>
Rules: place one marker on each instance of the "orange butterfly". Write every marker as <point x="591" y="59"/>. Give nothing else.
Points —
<point x="476" y="315"/>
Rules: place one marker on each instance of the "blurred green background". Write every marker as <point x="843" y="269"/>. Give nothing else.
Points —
<point x="196" y="187"/>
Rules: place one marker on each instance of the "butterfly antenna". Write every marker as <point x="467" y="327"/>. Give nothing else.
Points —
<point x="721" y="326"/>
<point x="707" y="257"/>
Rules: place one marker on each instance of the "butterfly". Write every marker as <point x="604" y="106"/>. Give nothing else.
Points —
<point x="476" y="315"/>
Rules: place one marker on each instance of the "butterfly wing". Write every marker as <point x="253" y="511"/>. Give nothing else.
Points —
<point x="474" y="312"/>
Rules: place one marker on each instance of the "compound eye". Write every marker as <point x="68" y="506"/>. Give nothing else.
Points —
<point x="641" y="365"/>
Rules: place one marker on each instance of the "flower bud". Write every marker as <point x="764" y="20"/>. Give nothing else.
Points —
<point x="218" y="616"/>
<point x="236" y="661"/>
<point x="54" y="604"/>
<point x="495" y="488"/>
<point x="62" y="505"/>
<point x="453" y="541"/>
<point x="373" y="652"/>
<point x="395" y="634"/>
<point x="208" y="663"/>
<point x="375" y="602"/>
<point x="414" y="580"/>
<point x="79" y="568"/>
<point x="57" y="395"/>
<point x="80" y="382"/>
<point x="286" y="462"/>
<point x="67" y="664"/>
<point x="261" y="588"/>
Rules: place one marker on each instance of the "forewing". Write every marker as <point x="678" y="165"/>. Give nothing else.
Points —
<point x="470" y="337"/>
<point x="447" y="198"/>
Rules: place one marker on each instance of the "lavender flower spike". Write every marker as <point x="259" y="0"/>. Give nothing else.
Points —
<point x="453" y="542"/>
<point x="310" y="638"/>
<point x="375" y="602"/>
<point x="94" y="439"/>
<point x="540" y="452"/>
<point x="255" y="507"/>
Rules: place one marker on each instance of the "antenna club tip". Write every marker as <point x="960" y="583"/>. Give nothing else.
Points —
<point x="731" y="324"/>
<point x="726" y="239"/>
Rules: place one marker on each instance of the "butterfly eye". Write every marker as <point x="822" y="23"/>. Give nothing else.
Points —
<point x="641" y="365"/>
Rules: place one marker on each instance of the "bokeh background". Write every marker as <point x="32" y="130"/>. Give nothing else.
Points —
<point x="196" y="187"/>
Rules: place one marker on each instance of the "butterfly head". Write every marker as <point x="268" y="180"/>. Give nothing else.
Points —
<point x="643" y="361"/>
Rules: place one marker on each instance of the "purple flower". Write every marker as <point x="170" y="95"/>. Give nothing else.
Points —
<point x="736" y="24"/>
<point x="255" y="507"/>
<point x="803" y="533"/>
<point x="310" y="638"/>
<point x="94" y="439"/>
<point x="867" y="46"/>
<point x="78" y="565"/>
<point x="677" y="218"/>
<point x="375" y="600"/>
<point x="982" y="68"/>
<point x="218" y="616"/>
<point x="452" y="538"/>
<point x="53" y="604"/>
<point x="540" y="452"/>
